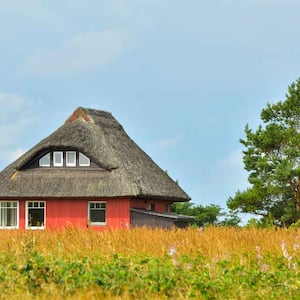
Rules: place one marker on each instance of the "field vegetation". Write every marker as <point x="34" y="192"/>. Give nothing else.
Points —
<point x="143" y="263"/>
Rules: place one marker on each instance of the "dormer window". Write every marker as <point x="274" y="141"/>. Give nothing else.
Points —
<point x="58" y="159"/>
<point x="45" y="161"/>
<point x="71" y="158"/>
<point x="84" y="161"/>
<point x="64" y="159"/>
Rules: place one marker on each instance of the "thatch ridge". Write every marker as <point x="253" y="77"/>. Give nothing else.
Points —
<point x="125" y="169"/>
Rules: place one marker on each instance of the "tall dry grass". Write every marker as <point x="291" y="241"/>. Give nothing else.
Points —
<point x="143" y="263"/>
<point x="211" y="243"/>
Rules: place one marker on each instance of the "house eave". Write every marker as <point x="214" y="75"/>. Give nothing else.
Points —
<point x="164" y="214"/>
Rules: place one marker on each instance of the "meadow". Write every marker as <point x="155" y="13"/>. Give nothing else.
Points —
<point x="143" y="263"/>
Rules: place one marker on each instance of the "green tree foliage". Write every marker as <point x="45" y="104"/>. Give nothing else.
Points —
<point x="272" y="157"/>
<point x="230" y="219"/>
<point x="203" y="214"/>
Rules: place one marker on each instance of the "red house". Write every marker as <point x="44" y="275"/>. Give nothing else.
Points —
<point x="87" y="173"/>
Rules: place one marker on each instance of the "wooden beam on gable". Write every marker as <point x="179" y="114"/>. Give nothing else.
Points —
<point x="79" y="113"/>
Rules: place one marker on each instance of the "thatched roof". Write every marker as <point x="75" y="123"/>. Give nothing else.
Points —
<point x="123" y="169"/>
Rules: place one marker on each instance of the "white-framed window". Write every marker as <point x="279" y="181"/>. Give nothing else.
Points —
<point x="71" y="158"/>
<point x="84" y="161"/>
<point x="150" y="206"/>
<point x="35" y="214"/>
<point x="45" y="160"/>
<point x="61" y="158"/>
<point x="58" y="160"/>
<point x="9" y="214"/>
<point x="97" y="213"/>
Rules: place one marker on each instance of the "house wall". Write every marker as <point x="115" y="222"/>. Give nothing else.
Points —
<point x="159" y="205"/>
<point x="64" y="212"/>
<point x="22" y="214"/>
<point x="117" y="213"/>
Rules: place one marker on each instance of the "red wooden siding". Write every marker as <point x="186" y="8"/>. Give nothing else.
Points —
<point x="22" y="214"/>
<point x="117" y="213"/>
<point x="159" y="205"/>
<point x="64" y="212"/>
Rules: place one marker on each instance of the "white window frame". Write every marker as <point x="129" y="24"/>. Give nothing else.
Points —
<point x="151" y="206"/>
<point x="27" y="226"/>
<point x="45" y="165"/>
<point x="89" y="218"/>
<point x="55" y="163"/>
<point x="68" y="164"/>
<point x="17" y="207"/>
<point x="84" y="164"/>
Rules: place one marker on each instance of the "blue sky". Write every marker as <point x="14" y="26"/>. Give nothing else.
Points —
<point x="182" y="77"/>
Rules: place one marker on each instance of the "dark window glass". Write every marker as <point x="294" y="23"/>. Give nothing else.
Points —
<point x="36" y="217"/>
<point x="97" y="216"/>
<point x="35" y="214"/>
<point x="97" y="212"/>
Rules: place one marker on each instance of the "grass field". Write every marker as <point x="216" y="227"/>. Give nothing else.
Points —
<point x="141" y="263"/>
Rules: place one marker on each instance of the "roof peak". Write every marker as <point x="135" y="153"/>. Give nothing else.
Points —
<point x="80" y="113"/>
<point x="87" y="114"/>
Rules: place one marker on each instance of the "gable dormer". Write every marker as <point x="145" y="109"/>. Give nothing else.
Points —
<point x="61" y="158"/>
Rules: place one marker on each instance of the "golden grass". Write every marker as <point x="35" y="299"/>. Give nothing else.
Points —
<point x="238" y="246"/>
<point x="211" y="243"/>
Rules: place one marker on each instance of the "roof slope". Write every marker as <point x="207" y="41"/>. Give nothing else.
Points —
<point x="125" y="169"/>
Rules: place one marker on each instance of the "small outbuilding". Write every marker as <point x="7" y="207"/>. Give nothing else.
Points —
<point x="87" y="173"/>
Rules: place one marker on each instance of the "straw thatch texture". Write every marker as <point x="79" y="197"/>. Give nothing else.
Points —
<point x="124" y="169"/>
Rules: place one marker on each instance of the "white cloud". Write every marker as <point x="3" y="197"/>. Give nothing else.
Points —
<point x="170" y="142"/>
<point x="79" y="54"/>
<point x="17" y="120"/>
<point x="10" y="155"/>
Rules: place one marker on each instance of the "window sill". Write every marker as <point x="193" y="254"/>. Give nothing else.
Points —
<point x="9" y="227"/>
<point x="97" y="224"/>
<point x="35" y="228"/>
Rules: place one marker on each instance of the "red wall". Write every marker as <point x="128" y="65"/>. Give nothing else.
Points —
<point x="64" y="212"/>
<point x="159" y="205"/>
<point x="60" y="213"/>
<point x="117" y="213"/>
<point x="22" y="214"/>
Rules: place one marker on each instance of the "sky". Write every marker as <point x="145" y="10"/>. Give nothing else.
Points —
<point x="182" y="77"/>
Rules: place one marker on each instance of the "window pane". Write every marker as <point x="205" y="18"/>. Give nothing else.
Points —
<point x="36" y="217"/>
<point x="45" y="160"/>
<point x="97" y="216"/>
<point x="8" y="214"/>
<point x="11" y="217"/>
<point x="71" y="159"/>
<point x="84" y="160"/>
<point x="58" y="158"/>
<point x="97" y="212"/>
